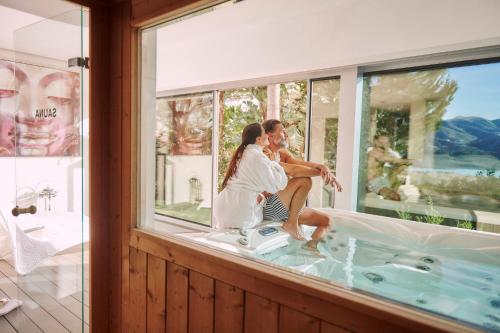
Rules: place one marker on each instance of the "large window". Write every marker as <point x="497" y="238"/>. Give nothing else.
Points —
<point x="323" y="136"/>
<point x="184" y="157"/>
<point x="184" y="129"/>
<point x="431" y="145"/>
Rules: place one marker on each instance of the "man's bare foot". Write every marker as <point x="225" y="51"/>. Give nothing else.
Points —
<point x="312" y="246"/>
<point x="293" y="230"/>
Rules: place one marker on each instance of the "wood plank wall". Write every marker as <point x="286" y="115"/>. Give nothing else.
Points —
<point x="167" y="297"/>
<point x="177" y="288"/>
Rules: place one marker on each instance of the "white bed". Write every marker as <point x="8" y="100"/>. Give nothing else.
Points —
<point x="28" y="239"/>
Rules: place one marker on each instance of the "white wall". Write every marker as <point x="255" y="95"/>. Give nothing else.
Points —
<point x="180" y="169"/>
<point x="257" y="38"/>
<point x="57" y="38"/>
<point x="11" y="20"/>
<point x="46" y="43"/>
<point x="64" y="173"/>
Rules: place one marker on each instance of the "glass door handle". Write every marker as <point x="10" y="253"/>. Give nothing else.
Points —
<point x="18" y="211"/>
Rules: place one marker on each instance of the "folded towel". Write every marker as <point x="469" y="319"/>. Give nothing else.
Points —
<point x="7" y="305"/>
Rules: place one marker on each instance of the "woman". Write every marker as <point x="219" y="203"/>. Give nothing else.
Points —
<point x="250" y="173"/>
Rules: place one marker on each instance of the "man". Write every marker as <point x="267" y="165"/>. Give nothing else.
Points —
<point x="378" y="156"/>
<point x="288" y="205"/>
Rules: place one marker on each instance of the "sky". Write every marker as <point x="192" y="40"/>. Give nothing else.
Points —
<point x="478" y="92"/>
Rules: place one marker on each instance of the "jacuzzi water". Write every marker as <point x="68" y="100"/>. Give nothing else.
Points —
<point x="439" y="269"/>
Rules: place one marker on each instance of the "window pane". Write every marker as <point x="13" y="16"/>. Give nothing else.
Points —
<point x="286" y="102"/>
<point x="431" y="146"/>
<point x="184" y="157"/>
<point x="323" y="137"/>
<point x="293" y="109"/>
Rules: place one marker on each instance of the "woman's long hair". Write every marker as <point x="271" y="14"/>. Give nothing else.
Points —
<point x="249" y="136"/>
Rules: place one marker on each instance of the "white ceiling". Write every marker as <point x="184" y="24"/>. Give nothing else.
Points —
<point x="17" y="14"/>
<point x="44" y="9"/>
<point x="261" y="38"/>
<point x="48" y="29"/>
<point x="10" y="21"/>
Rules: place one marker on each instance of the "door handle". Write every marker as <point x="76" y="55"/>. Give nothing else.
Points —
<point x="18" y="211"/>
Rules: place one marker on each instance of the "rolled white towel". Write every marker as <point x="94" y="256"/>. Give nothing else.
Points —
<point x="7" y="305"/>
<point x="409" y="193"/>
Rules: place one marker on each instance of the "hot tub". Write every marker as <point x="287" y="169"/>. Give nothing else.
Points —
<point x="447" y="271"/>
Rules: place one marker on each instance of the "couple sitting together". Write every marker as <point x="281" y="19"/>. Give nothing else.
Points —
<point x="264" y="182"/>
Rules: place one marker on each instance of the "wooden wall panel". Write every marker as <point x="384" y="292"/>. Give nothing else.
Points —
<point x="177" y="298"/>
<point x="265" y="303"/>
<point x="329" y="328"/>
<point x="138" y="281"/>
<point x="261" y="315"/>
<point x="110" y="162"/>
<point x="290" y="292"/>
<point x="119" y="173"/>
<point x="292" y="321"/>
<point x="201" y="303"/>
<point x="100" y="170"/>
<point x="156" y="291"/>
<point x="229" y="308"/>
<point x="146" y="11"/>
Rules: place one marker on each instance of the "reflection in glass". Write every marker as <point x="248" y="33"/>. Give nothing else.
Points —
<point x="323" y="144"/>
<point x="431" y="146"/>
<point x="39" y="111"/>
<point x="184" y="157"/>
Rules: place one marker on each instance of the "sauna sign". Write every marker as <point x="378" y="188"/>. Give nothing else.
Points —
<point x="39" y="111"/>
<point x="45" y="113"/>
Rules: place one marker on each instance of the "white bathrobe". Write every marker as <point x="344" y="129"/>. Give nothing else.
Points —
<point x="236" y="206"/>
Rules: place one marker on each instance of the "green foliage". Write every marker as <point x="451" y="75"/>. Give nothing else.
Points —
<point x="465" y="224"/>
<point x="186" y="211"/>
<point x="404" y="214"/>
<point x="455" y="184"/>
<point x="240" y="107"/>
<point x="432" y="215"/>
<point x="293" y="108"/>
<point x="394" y="124"/>
<point x="234" y="120"/>
<point x="489" y="172"/>
<point x="331" y="131"/>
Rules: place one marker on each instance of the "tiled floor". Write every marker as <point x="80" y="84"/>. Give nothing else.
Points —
<point x="52" y="295"/>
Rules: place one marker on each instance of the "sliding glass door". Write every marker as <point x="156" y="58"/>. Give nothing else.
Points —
<point x="44" y="156"/>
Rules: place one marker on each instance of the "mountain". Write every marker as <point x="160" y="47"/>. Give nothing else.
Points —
<point x="468" y="135"/>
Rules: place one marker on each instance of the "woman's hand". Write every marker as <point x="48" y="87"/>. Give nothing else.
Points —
<point x="268" y="152"/>
<point x="262" y="196"/>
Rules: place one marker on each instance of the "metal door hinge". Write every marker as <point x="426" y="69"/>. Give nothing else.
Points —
<point x="79" y="62"/>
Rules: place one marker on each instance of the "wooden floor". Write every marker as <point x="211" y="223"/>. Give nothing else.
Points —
<point x="52" y="295"/>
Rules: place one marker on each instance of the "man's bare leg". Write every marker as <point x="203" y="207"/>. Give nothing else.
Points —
<point x="393" y="176"/>
<point x="320" y="220"/>
<point x="390" y="194"/>
<point x="294" y="197"/>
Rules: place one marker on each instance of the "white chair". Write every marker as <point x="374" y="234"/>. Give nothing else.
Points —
<point x="34" y="238"/>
